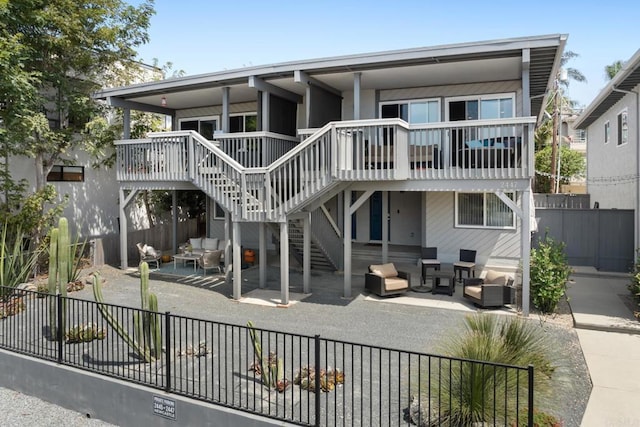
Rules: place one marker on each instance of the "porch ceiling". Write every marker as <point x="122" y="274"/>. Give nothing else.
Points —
<point x="443" y="65"/>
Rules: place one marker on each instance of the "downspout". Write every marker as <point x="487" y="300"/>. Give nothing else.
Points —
<point x="636" y="211"/>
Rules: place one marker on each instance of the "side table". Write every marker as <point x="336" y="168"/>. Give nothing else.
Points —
<point x="443" y="283"/>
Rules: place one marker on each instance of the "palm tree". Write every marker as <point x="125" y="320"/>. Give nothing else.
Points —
<point x="572" y="73"/>
<point x="611" y="70"/>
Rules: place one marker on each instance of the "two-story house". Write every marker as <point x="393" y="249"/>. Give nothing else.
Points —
<point x="612" y="122"/>
<point x="422" y="147"/>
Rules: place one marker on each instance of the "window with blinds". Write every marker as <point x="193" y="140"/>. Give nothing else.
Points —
<point x="483" y="210"/>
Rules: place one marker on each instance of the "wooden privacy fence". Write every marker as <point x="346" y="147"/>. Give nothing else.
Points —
<point x="106" y="249"/>
<point x="601" y="238"/>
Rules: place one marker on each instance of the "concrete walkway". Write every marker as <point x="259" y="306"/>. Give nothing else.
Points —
<point x="610" y="340"/>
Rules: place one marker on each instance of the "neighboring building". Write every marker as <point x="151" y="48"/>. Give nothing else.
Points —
<point x="613" y="150"/>
<point x="419" y="147"/>
<point x="92" y="210"/>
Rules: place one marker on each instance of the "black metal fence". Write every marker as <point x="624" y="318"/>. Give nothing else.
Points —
<point x="315" y="381"/>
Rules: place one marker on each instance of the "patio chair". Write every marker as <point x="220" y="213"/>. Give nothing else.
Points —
<point x="493" y="290"/>
<point x="210" y="260"/>
<point x="428" y="259"/>
<point x="149" y="254"/>
<point x="466" y="263"/>
<point x="385" y="280"/>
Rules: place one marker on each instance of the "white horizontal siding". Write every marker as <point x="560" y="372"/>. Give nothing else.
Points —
<point x="440" y="232"/>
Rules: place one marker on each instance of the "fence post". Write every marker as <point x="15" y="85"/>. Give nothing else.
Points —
<point x="530" y="412"/>
<point x="317" y="390"/>
<point x="167" y="346"/>
<point x="59" y="327"/>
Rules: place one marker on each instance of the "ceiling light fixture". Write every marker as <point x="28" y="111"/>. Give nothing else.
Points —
<point x="163" y="101"/>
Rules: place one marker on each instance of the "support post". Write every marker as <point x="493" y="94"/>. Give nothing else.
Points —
<point x="357" y="80"/>
<point x="262" y="254"/>
<point x="126" y="123"/>
<point x="174" y="221"/>
<point x="526" y="249"/>
<point x="124" y="201"/>
<point x="306" y="254"/>
<point x="284" y="263"/>
<point x="236" y="266"/>
<point x="225" y="109"/>
<point x="385" y="227"/>
<point x="347" y="244"/>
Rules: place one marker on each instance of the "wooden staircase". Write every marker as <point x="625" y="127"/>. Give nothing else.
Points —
<point x="319" y="259"/>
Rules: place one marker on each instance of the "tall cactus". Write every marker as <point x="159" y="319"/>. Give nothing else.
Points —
<point x="147" y="339"/>
<point x="147" y="323"/>
<point x="271" y="366"/>
<point x="59" y="252"/>
<point x="52" y="282"/>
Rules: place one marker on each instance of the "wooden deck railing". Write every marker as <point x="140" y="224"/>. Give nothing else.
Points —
<point x="363" y="150"/>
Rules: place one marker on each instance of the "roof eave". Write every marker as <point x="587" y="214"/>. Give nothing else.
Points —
<point x="350" y="62"/>
<point x="586" y="117"/>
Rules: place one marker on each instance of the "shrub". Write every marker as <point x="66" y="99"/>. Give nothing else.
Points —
<point x="634" y="285"/>
<point x="549" y="274"/>
<point x="15" y="262"/>
<point x="497" y="339"/>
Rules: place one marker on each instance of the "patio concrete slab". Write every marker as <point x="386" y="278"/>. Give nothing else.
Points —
<point x="270" y="298"/>
<point x="600" y="301"/>
<point x="613" y="359"/>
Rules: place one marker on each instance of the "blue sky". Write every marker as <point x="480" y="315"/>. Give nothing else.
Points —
<point x="200" y="36"/>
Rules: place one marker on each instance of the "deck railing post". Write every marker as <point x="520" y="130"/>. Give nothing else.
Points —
<point x="167" y="345"/>
<point x="316" y="341"/>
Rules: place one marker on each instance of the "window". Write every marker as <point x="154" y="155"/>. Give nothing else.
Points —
<point x="623" y="128"/>
<point x="218" y="212"/>
<point x="205" y="126"/>
<point x="66" y="173"/>
<point x="494" y="106"/>
<point x="483" y="210"/>
<point x="243" y="122"/>
<point x="413" y="111"/>
<point x="607" y="132"/>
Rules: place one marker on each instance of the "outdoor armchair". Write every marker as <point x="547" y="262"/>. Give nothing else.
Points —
<point x="210" y="260"/>
<point x="149" y="254"/>
<point x="385" y="280"/>
<point x="494" y="290"/>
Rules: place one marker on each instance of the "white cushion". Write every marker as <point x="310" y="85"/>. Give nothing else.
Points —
<point x="210" y="244"/>
<point x="195" y="242"/>
<point x="222" y="244"/>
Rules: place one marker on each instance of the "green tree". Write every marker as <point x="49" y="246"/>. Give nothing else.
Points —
<point x="611" y="70"/>
<point x="572" y="165"/>
<point x="57" y="51"/>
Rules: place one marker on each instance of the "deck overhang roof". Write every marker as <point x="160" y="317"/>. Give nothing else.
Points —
<point x="476" y="62"/>
<point x="624" y="81"/>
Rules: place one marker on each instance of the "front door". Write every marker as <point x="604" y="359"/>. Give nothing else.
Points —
<point x="375" y="217"/>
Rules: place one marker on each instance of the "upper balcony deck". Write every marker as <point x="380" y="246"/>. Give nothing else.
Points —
<point x="363" y="150"/>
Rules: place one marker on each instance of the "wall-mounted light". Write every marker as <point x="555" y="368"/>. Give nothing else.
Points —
<point x="163" y="101"/>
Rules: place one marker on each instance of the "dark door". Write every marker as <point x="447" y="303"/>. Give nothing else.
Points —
<point x="375" y="216"/>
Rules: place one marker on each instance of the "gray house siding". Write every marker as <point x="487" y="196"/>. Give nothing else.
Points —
<point x="503" y="245"/>
<point x="611" y="168"/>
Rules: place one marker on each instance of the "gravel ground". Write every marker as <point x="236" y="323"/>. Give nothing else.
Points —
<point x="20" y="410"/>
<point x="325" y="312"/>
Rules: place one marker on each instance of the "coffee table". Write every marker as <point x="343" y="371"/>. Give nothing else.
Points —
<point x="186" y="257"/>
